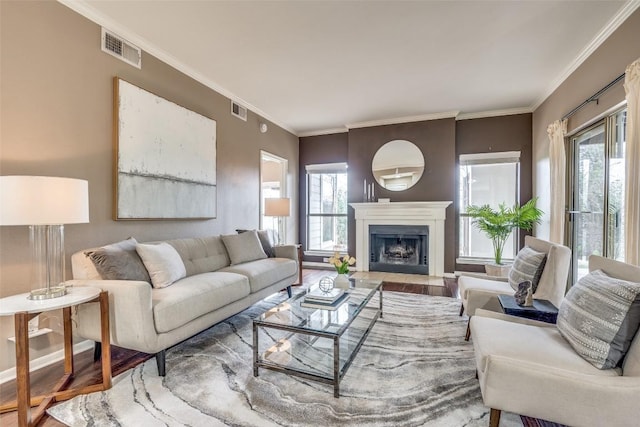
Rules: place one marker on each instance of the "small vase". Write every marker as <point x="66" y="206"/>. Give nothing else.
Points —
<point x="341" y="281"/>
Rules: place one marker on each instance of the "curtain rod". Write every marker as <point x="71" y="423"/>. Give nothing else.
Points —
<point x="593" y="97"/>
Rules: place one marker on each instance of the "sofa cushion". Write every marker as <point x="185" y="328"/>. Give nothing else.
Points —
<point x="265" y="241"/>
<point x="265" y="272"/>
<point x="528" y="265"/>
<point x="162" y="262"/>
<point x="194" y="296"/>
<point x="243" y="247"/>
<point x="119" y="261"/>
<point x="599" y="317"/>
<point x="201" y="254"/>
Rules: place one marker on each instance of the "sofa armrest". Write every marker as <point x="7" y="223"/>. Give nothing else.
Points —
<point x="130" y="309"/>
<point x="286" y="251"/>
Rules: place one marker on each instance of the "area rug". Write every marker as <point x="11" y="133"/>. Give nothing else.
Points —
<point x="414" y="369"/>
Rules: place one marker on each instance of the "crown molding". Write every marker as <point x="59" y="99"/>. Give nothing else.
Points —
<point x="322" y="132"/>
<point x="84" y="9"/>
<point x="608" y="29"/>
<point x="406" y="119"/>
<point x="494" y="113"/>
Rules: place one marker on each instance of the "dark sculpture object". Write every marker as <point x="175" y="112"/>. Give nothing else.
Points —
<point x="524" y="294"/>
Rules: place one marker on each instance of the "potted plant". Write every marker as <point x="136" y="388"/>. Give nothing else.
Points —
<point x="498" y="224"/>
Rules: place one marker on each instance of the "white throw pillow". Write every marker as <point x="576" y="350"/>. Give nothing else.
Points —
<point x="162" y="262"/>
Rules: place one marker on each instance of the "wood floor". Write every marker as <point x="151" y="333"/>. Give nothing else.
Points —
<point x="88" y="372"/>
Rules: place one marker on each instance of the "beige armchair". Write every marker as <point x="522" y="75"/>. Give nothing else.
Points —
<point x="477" y="292"/>
<point x="527" y="367"/>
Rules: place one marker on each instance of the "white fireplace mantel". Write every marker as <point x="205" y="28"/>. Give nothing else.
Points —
<point x="431" y="214"/>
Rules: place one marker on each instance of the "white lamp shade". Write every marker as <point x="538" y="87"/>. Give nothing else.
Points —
<point x="277" y="206"/>
<point x="43" y="200"/>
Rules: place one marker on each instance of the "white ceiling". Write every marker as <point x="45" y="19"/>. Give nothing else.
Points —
<point x="315" y="66"/>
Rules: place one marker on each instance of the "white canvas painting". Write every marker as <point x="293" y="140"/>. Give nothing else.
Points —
<point x="166" y="158"/>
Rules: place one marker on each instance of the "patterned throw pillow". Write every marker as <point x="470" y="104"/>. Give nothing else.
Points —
<point x="599" y="317"/>
<point x="528" y="265"/>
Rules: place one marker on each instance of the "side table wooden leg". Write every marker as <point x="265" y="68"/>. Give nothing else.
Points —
<point x="68" y="341"/>
<point x="106" y="340"/>
<point x="22" y="369"/>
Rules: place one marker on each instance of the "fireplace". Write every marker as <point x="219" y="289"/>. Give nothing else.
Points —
<point x="399" y="248"/>
<point x="425" y="214"/>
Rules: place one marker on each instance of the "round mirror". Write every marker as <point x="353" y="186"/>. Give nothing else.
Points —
<point x="398" y="165"/>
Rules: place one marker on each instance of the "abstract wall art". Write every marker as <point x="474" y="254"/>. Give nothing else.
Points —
<point x="165" y="158"/>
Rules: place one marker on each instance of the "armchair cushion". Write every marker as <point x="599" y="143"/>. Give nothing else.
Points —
<point x="528" y="265"/>
<point x="599" y="317"/>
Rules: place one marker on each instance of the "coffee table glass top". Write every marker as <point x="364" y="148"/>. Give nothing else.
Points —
<point x="315" y="343"/>
<point x="291" y="314"/>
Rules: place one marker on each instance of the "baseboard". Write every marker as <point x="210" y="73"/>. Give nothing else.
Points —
<point x="49" y="359"/>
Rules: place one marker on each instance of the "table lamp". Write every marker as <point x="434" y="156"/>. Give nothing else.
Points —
<point x="45" y="204"/>
<point x="278" y="208"/>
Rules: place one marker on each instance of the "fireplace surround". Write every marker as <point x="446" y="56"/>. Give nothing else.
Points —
<point x="429" y="214"/>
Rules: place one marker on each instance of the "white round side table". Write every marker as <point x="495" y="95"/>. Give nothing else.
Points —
<point x="23" y="309"/>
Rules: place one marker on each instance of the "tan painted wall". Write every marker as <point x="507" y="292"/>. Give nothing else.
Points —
<point x="56" y="119"/>
<point x="603" y="66"/>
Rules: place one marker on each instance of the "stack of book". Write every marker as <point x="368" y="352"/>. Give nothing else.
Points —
<point x="330" y="300"/>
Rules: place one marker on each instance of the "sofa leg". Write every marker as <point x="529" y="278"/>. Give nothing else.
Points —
<point x="494" y="418"/>
<point x="289" y="291"/>
<point x="160" y="361"/>
<point x="468" y="334"/>
<point x="461" y="309"/>
<point x="97" y="351"/>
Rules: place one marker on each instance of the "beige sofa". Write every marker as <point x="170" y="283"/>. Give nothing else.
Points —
<point x="218" y="283"/>
<point x="529" y="368"/>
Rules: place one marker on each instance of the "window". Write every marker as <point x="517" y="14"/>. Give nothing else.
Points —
<point x="486" y="179"/>
<point x="327" y="207"/>
<point x="596" y="172"/>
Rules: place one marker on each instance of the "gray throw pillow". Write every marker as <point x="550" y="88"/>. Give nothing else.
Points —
<point x="265" y="241"/>
<point x="528" y="265"/>
<point x="243" y="247"/>
<point x="599" y="317"/>
<point x="119" y="261"/>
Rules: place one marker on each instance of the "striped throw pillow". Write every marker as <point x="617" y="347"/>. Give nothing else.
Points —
<point x="528" y="265"/>
<point x="599" y="317"/>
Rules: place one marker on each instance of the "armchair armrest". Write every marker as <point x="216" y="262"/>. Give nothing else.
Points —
<point x="484" y="276"/>
<point x="482" y="299"/>
<point x="130" y="310"/>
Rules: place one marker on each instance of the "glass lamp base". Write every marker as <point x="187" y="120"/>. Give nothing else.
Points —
<point x="48" y="293"/>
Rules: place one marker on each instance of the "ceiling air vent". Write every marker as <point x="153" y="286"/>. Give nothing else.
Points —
<point x="120" y="48"/>
<point x="238" y="110"/>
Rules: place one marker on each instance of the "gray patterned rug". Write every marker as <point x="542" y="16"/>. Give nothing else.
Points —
<point x="414" y="369"/>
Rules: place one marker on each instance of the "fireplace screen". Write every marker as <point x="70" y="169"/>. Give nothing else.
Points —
<point x="399" y="248"/>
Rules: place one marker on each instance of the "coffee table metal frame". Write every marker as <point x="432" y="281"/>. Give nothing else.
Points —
<point x="338" y="374"/>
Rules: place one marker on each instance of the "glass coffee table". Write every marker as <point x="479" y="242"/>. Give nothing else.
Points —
<point x="316" y="344"/>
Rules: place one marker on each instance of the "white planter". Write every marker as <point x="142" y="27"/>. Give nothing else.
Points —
<point x="341" y="281"/>
<point x="497" y="270"/>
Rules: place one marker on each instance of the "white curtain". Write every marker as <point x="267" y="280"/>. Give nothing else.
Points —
<point x="632" y="190"/>
<point x="557" y="165"/>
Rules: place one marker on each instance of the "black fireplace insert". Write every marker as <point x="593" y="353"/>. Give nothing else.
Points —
<point x="399" y="248"/>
